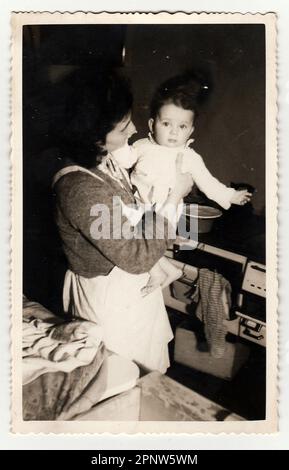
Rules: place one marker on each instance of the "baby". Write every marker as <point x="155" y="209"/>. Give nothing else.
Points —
<point x="173" y="112"/>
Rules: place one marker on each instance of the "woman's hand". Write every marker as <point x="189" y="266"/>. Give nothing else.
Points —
<point x="241" y="197"/>
<point x="183" y="185"/>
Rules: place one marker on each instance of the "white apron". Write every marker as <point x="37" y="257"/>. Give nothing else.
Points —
<point x="135" y="327"/>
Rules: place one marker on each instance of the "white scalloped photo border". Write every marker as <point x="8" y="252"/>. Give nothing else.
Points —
<point x="269" y="425"/>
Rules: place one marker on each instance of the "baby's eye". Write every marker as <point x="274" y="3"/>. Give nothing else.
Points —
<point x="183" y="126"/>
<point x="165" y="123"/>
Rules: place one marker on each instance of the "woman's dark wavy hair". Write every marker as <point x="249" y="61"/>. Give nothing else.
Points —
<point x="95" y="102"/>
<point x="188" y="91"/>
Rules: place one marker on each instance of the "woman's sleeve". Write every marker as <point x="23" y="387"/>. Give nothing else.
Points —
<point x="208" y="184"/>
<point x="94" y="211"/>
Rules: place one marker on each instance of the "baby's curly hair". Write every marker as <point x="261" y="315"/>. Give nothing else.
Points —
<point x="188" y="91"/>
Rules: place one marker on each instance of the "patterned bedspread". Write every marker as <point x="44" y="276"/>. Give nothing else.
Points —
<point x="61" y="395"/>
<point x="64" y="365"/>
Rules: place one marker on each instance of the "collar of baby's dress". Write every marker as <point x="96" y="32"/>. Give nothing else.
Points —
<point x="186" y="146"/>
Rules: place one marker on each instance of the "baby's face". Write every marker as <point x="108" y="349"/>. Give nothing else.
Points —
<point x="172" y="126"/>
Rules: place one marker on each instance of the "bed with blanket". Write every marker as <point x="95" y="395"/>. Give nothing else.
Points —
<point x="66" y="368"/>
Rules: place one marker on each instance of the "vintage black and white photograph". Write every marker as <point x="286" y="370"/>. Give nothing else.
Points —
<point x="144" y="223"/>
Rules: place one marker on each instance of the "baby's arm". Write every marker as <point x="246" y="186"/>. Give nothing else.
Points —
<point x="212" y="187"/>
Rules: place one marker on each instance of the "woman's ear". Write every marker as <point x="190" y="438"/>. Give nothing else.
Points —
<point x="151" y="125"/>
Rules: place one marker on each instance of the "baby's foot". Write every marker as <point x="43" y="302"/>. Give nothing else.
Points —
<point x="171" y="277"/>
<point x="149" y="288"/>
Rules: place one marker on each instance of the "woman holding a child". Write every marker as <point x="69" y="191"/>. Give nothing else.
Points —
<point x="107" y="273"/>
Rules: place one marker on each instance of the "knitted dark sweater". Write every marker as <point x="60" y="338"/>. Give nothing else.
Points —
<point x="76" y="194"/>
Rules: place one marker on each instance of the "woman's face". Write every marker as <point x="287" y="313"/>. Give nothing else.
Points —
<point x="120" y="134"/>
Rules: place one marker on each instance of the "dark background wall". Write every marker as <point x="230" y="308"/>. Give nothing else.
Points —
<point x="230" y="131"/>
<point x="229" y="134"/>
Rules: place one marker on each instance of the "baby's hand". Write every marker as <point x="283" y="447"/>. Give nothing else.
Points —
<point x="241" y="197"/>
